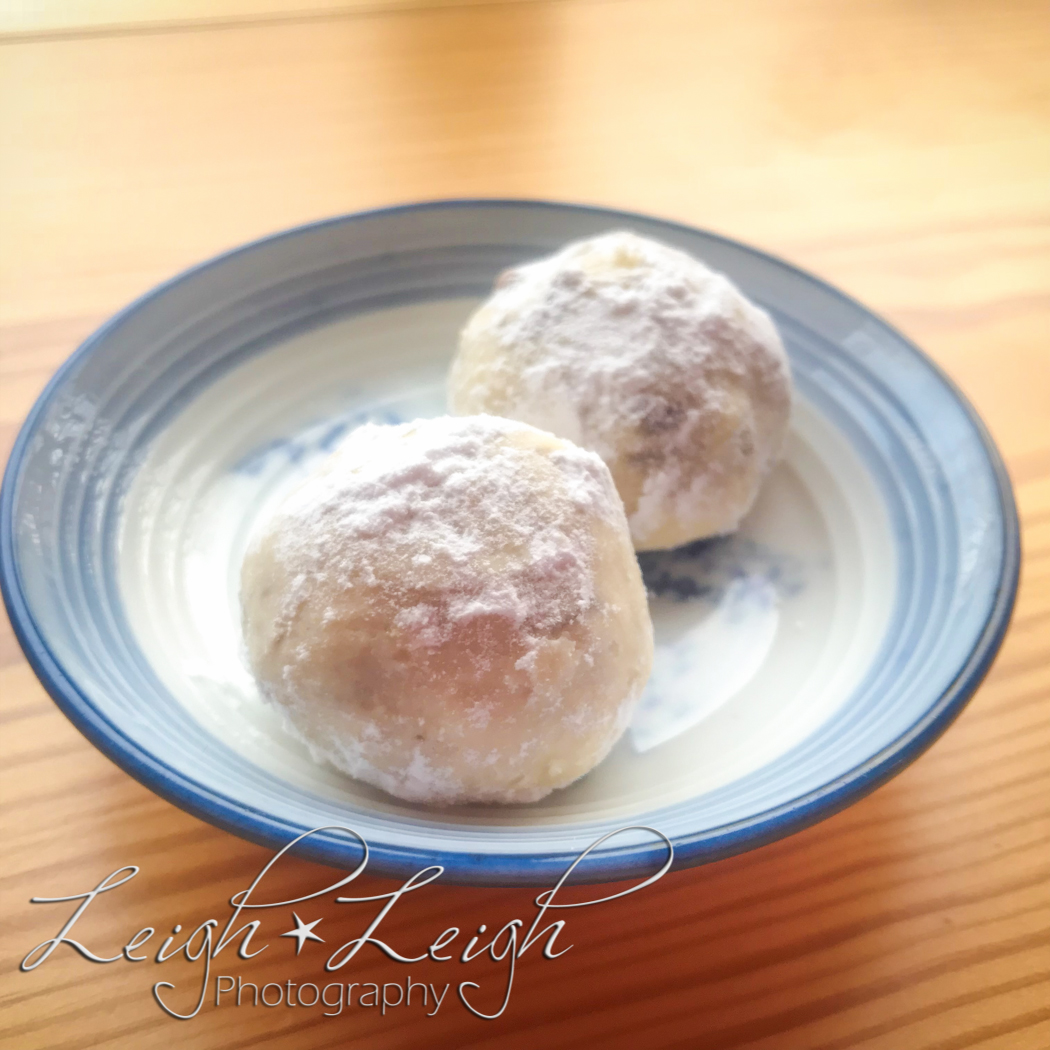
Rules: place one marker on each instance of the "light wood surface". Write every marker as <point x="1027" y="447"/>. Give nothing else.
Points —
<point x="900" y="150"/>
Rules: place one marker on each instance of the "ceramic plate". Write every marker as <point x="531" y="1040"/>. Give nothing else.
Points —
<point x="799" y="663"/>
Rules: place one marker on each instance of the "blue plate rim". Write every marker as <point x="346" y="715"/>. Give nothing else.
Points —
<point x="510" y="868"/>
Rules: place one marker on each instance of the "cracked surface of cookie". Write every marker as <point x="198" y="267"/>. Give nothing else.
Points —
<point x="646" y="356"/>
<point x="451" y="610"/>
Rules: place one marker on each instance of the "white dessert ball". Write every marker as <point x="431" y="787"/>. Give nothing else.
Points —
<point x="641" y="353"/>
<point x="451" y="610"/>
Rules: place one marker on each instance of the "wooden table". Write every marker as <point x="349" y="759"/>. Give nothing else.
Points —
<point x="900" y="150"/>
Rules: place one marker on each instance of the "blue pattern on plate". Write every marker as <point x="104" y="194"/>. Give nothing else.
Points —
<point x="704" y="569"/>
<point x="323" y="438"/>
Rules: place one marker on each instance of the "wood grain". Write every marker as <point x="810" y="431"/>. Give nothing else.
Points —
<point x="901" y="151"/>
<point x="65" y="19"/>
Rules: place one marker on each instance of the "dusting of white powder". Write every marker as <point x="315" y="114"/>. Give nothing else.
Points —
<point x="430" y="525"/>
<point x="448" y="508"/>
<point x="620" y="334"/>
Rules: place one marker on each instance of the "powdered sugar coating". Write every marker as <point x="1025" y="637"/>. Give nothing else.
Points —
<point x="450" y="609"/>
<point x="643" y="354"/>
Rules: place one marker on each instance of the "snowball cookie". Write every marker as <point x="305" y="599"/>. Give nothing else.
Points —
<point x="643" y="354"/>
<point x="451" y="610"/>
